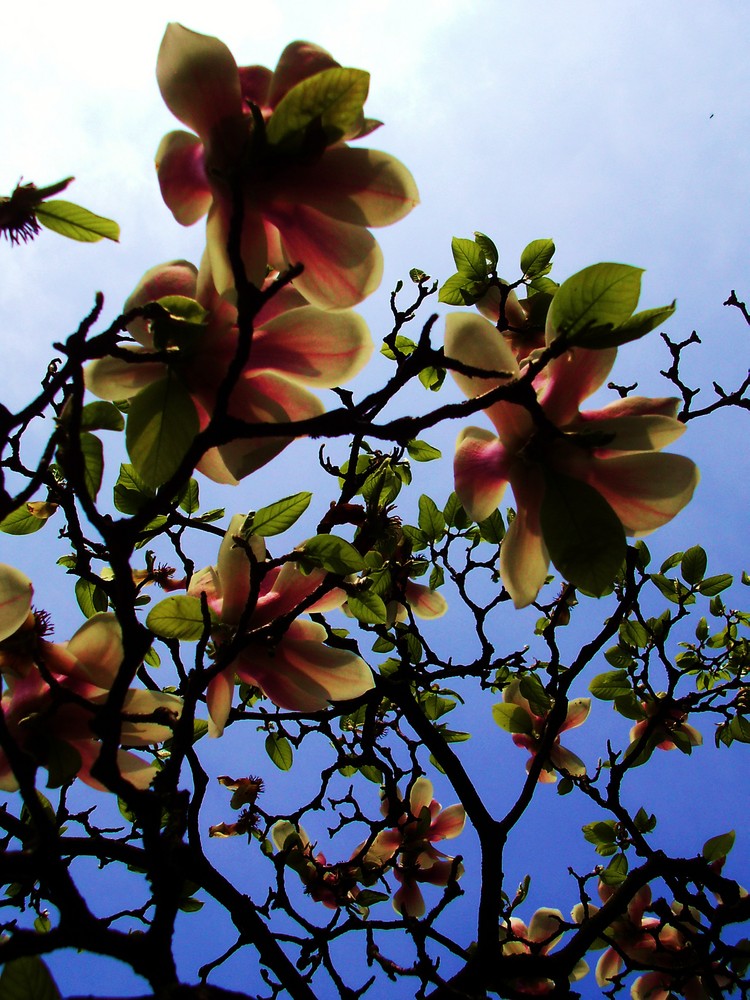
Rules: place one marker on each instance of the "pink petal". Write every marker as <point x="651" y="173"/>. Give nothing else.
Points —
<point x="198" y="79"/>
<point x="15" y="599"/>
<point x="301" y="674"/>
<point x="343" y="263"/>
<point x="449" y="823"/>
<point x="181" y="169"/>
<point x="384" y="846"/>
<point x="316" y="347"/>
<point x="480" y="468"/>
<point x="425" y="603"/>
<point x="289" y="588"/>
<point x="566" y="760"/>
<point x="409" y="899"/>
<point x="646" y="490"/>
<point x="233" y="567"/>
<point x="545" y="926"/>
<point x="524" y="560"/>
<point x="97" y="647"/>
<point x="608" y="967"/>
<point x="115" y="379"/>
<point x="637" y="433"/>
<point x="255" y="82"/>
<point x="420" y="796"/>
<point x="571" y="378"/>
<point x="219" y="694"/>
<point x="142" y="702"/>
<point x="361" y="186"/>
<point x="652" y="986"/>
<point x="578" y="712"/>
<point x="253" y="245"/>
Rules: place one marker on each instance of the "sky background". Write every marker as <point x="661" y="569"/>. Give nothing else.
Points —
<point x="618" y="129"/>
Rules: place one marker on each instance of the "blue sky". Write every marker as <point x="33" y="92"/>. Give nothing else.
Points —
<point x="616" y="129"/>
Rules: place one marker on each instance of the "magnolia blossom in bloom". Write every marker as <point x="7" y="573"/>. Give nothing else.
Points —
<point x="418" y="861"/>
<point x="671" y="726"/>
<point x="334" y="885"/>
<point x="294" y="345"/>
<point x="615" y="449"/>
<point x="632" y="935"/>
<point x="298" y="671"/>
<point x="533" y="730"/>
<point x="539" y="938"/>
<point x="52" y="721"/>
<point x="308" y="203"/>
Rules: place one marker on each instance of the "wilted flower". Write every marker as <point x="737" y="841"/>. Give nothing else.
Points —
<point x="294" y="345"/>
<point x="297" y="671"/>
<point x="613" y="450"/>
<point x="276" y="138"/>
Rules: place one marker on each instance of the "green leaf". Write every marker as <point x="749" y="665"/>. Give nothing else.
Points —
<point x="437" y="577"/>
<point x="27" y="978"/>
<point x="616" y="871"/>
<point x="603" y="835"/>
<point x="190" y="904"/>
<point x="488" y="248"/>
<point x="372" y="773"/>
<point x="460" y="290"/>
<point x="178" y="617"/>
<point x="512" y="718"/>
<point x="431" y="520"/>
<point x="333" y="554"/>
<point x="536" y="257"/>
<point x="21" y="522"/>
<point x="367" y="607"/>
<point x="584" y="536"/>
<point x="693" y="564"/>
<point x="162" y="424"/>
<point x="279" y="516"/>
<point x="598" y="297"/>
<point x="632" y="329"/>
<point x="404" y="346"/>
<point x="93" y="463"/>
<point x="101" y="416"/>
<point x="470" y="259"/>
<point x="492" y="529"/>
<point x="91" y="598"/>
<point x="420" y="451"/>
<point x="432" y="378"/>
<point x="634" y="634"/>
<point x="644" y="821"/>
<point x="63" y="763"/>
<point x="618" y="657"/>
<point x="76" y="223"/>
<point x="714" y="585"/>
<point x="416" y="536"/>
<point x="279" y="749"/>
<point x="189" y="498"/>
<point x="334" y="97"/>
<point x="610" y="685"/>
<point x="454" y="514"/>
<point x="717" y="848"/>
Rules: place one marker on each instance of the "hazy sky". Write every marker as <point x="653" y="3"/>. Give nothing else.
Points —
<point x="618" y="129"/>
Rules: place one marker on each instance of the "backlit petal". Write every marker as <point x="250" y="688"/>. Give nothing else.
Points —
<point x="480" y="469"/>
<point x="180" y="166"/>
<point x="524" y="560"/>
<point x="298" y="61"/>
<point x="15" y="599"/>
<point x="343" y="263"/>
<point x="253" y="243"/>
<point x="425" y="603"/>
<point x="219" y="694"/>
<point x="115" y="379"/>
<point x="233" y="567"/>
<point x="97" y="647"/>
<point x="175" y="277"/>
<point x="198" y="79"/>
<point x="319" y="348"/>
<point x="571" y="378"/>
<point x="645" y="491"/>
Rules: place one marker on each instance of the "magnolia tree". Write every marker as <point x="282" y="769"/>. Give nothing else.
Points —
<point x="321" y="649"/>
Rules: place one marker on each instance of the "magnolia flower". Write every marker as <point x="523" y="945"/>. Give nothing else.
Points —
<point x="52" y="722"/>
<point x="528" y="729"/>
<point x="294" y="344"/>
<point x="308" y="203"/>
<point x="632" y="935"/>
<point x="297" y="671"/>
<point x="670" y="728"/>
<point x="614" y="450"/>
<point x="334" y="885"/>
<point x="418" y="861"/>
<point x="539" y="938"/>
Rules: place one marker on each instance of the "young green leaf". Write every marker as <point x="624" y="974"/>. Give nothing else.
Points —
<point x="461" y="290"/>
<point x="584" y="536"/>
<point x="420" y="451"/>
<point x="488" y="249"/>
<point x="367" y="607"/>
<point x="178" y="617"/>
<point x="431" y="520"/>
<point x="470" y="259"/>
<point x="22" y="521"/>
<point x="279" y="516"/>
<point x="333" y="554"/>
<point x="189" y="497"/>
<point x="279" y="749"/>
<point x="76" y="223"/>
<point x="101" y="416"/>
<point x="334" y="97"/>
<point x="162" y="424"/>
<point x="27" y="978"/>
<point x="93" y="463"/>
<point x="512" y="718"/>
<point x="91" y="598"/>
<point x="536" y="257"/>
<point x="597" y="298"/>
